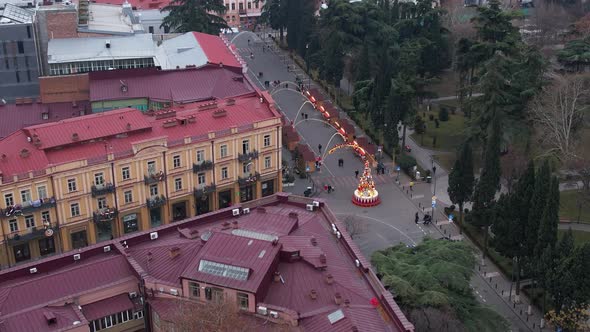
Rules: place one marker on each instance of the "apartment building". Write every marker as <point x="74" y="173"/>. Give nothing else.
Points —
<point x="242" y="14"/>
<point x="283" y="262"/>
<point x="84" y="180"/>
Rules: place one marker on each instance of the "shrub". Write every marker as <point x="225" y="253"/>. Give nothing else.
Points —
<point x="443" y="114"/>
<point x="431" y="117"/>
<point x="453" y="109"/>
<point x="405" y="162"/>
<point x="436" y="123"/>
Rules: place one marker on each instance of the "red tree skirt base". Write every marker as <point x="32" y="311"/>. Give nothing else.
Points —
<point x="366" y="203"/>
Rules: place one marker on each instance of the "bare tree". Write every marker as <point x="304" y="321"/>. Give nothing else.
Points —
<point x="558" y="112"/>
<point x="355" y="226"/>
<point x="550" y="20"/>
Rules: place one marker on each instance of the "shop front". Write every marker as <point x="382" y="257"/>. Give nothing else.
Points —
<point x="130" y="223"/>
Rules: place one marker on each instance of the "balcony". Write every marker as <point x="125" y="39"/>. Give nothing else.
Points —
<point x="242" y="11"/>
<point x="156" y="201"/>
<point x="248" y="156"/>
<point x="105" y="214"/>
<point x="203" y="166"/>
<point x="248" y="179"/>
<point x="204" y="190"/>
<point x="32" y="233"/>
<point x="154" y="177"/>
<point x="102" y="189"/>
<point x="28" y="207"/>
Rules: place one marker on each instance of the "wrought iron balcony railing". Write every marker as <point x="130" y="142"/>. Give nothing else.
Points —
<point x="203" y="166"/>
<point x="204" y="190"/>
<point x="154" y="177"/>
<point x="103" y="189"/>
<point x="106" y="214"/>
<point x="248" y="156"/>
<point x="248" y="179"/>
<point x="156" y="201"/>
<point x="28" y="207"/>
<point x="31" y="234"/>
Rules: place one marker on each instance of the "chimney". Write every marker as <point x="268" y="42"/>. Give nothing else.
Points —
<point x="277" y="276"/>
<point x="329" y="279"/>
<point x="50" y="317"/>
<point x="338" y="298"/>
<point x="313" y="294"/>
<point x="174" y="251"/>
<point x="314" y="241"/>
<point x="323" y="258"/>
<point x="347" y="303"/>
<point x="149" y="256"/>
<point x="128" y="126"/>
<point x="234" y="224"/>
<point x="75" y="137"/>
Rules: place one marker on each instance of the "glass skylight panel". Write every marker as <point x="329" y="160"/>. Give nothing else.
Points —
<point x="223" y="270"/>
<point x="336" y="316"/>
<point x="254" y="235"/>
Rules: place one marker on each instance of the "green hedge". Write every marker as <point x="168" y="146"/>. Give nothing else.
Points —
<point x="476" y="235"/>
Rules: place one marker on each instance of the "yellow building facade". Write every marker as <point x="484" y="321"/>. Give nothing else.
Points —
<point x="157" y="181"/>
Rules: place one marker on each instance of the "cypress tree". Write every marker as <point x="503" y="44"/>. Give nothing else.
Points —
<point x="537" y="206"/>
<point x="461" y="179"/>
<point x="550" y="218"/>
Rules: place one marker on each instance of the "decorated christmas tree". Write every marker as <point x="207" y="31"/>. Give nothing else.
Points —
<point x="365" y="193"/>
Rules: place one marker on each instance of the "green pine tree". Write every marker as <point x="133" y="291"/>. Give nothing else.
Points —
<point x="195" y="15"/>
<point x="537" y="205"/>
<point x="461" y="179"/>
<point x="550" y="218"/>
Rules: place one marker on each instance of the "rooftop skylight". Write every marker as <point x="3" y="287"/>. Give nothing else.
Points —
<point x="223" y="270"/>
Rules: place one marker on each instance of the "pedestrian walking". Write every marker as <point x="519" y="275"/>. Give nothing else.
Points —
<point x="248" y="41"/>
<point x="340" y="162"/>
<point x="306" y="115"/>
<point x="320" y="148"/>
<point x="411" y="185"/>
<point x="356" y="173"/>
<point x="417" y="218"/>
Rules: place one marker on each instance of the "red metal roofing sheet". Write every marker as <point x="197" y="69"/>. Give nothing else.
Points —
<point x="108" y="306"/>
<point x="34" y="320"/>
<point x="216" y="50"/>
<point x="139" y="4"/>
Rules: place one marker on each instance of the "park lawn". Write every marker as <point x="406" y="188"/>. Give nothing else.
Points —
<point x="580" y="237"/>
<point x="568" y="207"/>
<point x="449" y="135"/>
<point x="446" y="85"/>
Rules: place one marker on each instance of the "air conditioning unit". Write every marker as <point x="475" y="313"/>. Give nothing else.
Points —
<point x="357" y="263"/>
<point x="338" y="235"/>
<point x="106" y="248"/>
<point x="77" y="257"/>
<point x="246" y="210"/>
<point x="316" y="203"/>
<point x="161" y="289"/>
<point x="132" y="295"/>
<point x="309" y="207"/>
<point x="153" y="235"/>
<point x="273" y="314"/>
<point x="262" y="311"/>
<point x="235" y="212"/>
<point x="174" y="291"/>
<point x="33" y="270"/>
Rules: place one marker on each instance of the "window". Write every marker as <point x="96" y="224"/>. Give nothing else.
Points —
<point x="266" y="141"/>
<point x="79" y="239"/>
<point x="224" y="174"/>
<point x="246" y="167"/>
<point x="176" y="161"/>
<point x="243" y="301"/>
<point x="267" y="163"/>
<point x="194" y="289"/>
<point x="256" y="4"/>
<point x="223" y="150"/>
<point x="21" y="252"/>
<point x="138" y="314"/>
<point x="9" y="200"/>
<point x="201" y="178"/>
<point x="29" y="221"/>
<point x="28" y="31"/>
<point x="13" y="225"/>
<point x="128" y="196"/>
<point x="17" y="77"/>
<point x="200" y="156"/>
<point x="46" y="246"/>
<point x="21" y="47"/>
<point x="245" y="146"/>
<point x="151" y="29"/>
<point x="102" y="202"/>
<point x="42" y="192"/>
<point x="125" y="173"/>
<point x="75" y="209"/>
<point x="233" y="6"/>
<point x="25" y="195"/>
<point x="72" y="185"/>
<point x="98" y="179"/>
<point x="154" y="190"/>
<point x="178" y="184"/>
<point x="45" y="217"/>
<point x="151" y="167"/>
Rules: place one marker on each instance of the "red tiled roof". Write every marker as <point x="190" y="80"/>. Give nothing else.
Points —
<point x="306" y="152"/>
<point x="108" y="306"/>
<point x="35" y="320"/>
<point x="216" y="50"/>
<point x="246" y="110"/>
<point x="181" y="86"/>
<point x="45" y="288"/>
<point x="139" y="4"/>
<point x="348" y="127"/>
<point x="87" y="128"/>
<point x="256" y="255"/>
<point x="15" y="117"/>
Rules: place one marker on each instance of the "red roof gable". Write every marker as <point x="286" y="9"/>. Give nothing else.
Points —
<point x="66" y="317"/>
<point x="216" y="50"/>
<point x="108" y="306"/>
<point x="87" y="128"/>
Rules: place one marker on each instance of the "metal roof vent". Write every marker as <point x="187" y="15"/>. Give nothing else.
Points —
<point x="107" y="44"/>
<point x="174" y="252"/>
<point x="206" y="236"/>
<point x="24" y="153"/>
<point x="75" y="137"/>
<point x="50" y="317"/>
